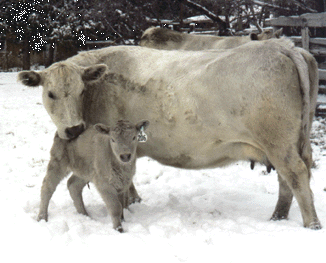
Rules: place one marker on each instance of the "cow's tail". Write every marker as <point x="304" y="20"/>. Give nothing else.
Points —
<point x="308" y="75"/>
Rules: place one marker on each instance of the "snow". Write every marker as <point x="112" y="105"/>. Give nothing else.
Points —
<point x="213" y="215"/>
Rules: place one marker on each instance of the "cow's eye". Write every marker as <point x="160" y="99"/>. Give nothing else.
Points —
<point x="112" y="140"/>
<point x="134" y="138"/>
<point x="51" y="95"/>
<point x="82" y="93"/>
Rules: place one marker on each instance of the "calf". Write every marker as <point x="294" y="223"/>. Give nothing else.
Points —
<point x="102" y="155"/>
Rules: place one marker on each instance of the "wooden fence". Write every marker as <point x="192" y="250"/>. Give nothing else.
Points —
<point x="316" y="46"/>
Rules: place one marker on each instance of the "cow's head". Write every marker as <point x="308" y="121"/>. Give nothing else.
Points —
<point x="267" y="34"/>
<point x="63" y="90"/>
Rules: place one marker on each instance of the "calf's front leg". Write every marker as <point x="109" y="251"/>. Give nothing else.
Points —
<point x="111" y="198"/>
<point x="133" y="196"/>
<point x="56" y="171"/>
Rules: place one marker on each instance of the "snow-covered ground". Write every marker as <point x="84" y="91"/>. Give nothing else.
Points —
<point x="217" y="215"/>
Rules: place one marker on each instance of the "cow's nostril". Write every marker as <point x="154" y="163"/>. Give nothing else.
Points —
<point x="125" y="157"/>
<point x="74" y="132"/>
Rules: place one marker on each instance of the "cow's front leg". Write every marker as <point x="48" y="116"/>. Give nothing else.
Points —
<point x="56" y="171"/>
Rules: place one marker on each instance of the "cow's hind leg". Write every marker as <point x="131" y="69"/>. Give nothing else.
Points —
<point x="284" y="201"/>
<point x="76" y="186"/>
<point x="293" y="170"/>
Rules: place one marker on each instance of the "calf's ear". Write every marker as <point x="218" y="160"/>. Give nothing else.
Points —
<point x="102" y="128"/>
<point x="94" y="73"/>
<point x="30" y="78"/>
<point x="142" y="124"/>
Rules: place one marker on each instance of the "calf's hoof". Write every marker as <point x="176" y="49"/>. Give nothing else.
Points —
<point x="279" y="216"/>
<point x="42" y="216"/>
<point x="133" y="200"/>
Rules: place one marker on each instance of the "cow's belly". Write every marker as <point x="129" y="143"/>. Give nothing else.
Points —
<point x="202" y="151"/>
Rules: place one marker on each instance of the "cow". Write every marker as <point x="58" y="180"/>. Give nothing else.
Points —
<point x="162" y="38"/>
<point x="207" y="108"/>
<point x="103" y="155"/>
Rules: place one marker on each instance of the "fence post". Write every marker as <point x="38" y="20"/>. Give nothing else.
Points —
<point x="305" y="38"/>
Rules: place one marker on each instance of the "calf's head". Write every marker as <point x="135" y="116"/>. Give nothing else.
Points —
<point x="64" y="85"/>
<point x="123" y="138"/>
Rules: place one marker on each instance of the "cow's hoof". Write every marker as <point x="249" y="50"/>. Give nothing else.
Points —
<point x="120" y="229"/>
<point x="315" y="226"/>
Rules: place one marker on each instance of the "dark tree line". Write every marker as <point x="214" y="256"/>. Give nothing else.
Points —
<point x="37" y="23"/>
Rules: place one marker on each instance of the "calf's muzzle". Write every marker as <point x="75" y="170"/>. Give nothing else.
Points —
<point x="125" y="157"/>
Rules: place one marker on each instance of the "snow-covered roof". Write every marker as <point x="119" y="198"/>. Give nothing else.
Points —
<point x="200" y="18"/>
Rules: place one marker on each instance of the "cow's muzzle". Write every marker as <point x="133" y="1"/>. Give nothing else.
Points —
<point x="75" y="131"/>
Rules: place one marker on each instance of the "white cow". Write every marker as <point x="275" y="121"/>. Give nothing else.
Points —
<point x="162" y="38"/>
<point x="207" y="109"/>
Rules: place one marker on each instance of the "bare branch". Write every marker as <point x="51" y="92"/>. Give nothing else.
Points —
<point x="302" y="6"/>
<point x="203" y="9"/>
<point x="254" y="19"/>
<point x="260" y="3"/>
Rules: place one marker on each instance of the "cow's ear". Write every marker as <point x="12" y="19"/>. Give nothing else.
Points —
<point x="142" y="124"/>
<point x="253" y="36"/>
<point x="94" y="73"/>
<point x="102" y="128"/>
<point x="278" y="33"/>
<point x="30" y="78"/>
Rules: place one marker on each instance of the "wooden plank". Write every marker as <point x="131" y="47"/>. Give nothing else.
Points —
<point x="310" y="20"/>
<point x="322" y="90"/>
<point x="315" y="41"/>
<point x="322" y="74"/>
<point x="318" y="41"/>
<point x="318" y="52"/>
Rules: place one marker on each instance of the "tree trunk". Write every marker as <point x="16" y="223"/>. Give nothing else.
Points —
<point x="181" y="14"/>
<point x="50" y="58"/>
<point x="26" y="54"/>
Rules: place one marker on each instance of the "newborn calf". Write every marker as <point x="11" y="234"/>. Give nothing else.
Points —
<point x="102" y="155"/>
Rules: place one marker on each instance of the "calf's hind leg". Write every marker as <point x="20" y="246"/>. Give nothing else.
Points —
<point x="293" y="170"/>
<point x="75" y="187"/>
